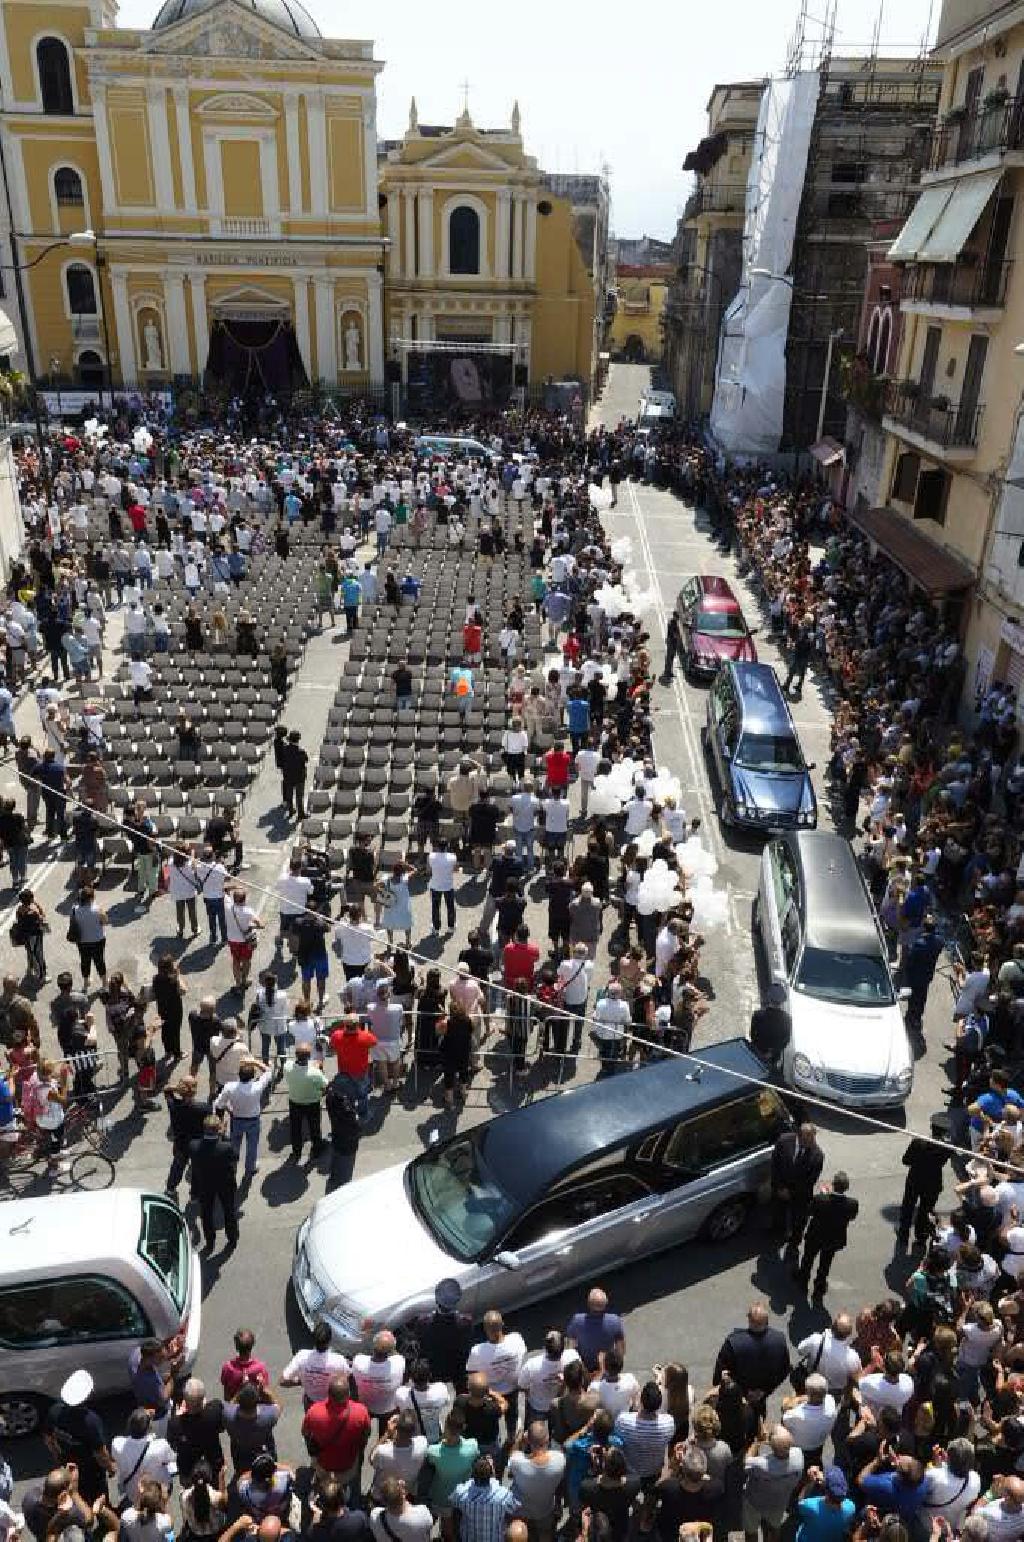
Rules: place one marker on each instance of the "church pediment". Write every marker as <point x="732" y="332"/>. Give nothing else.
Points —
<point x="470" y="156"/>
<point x="225" y="31"/>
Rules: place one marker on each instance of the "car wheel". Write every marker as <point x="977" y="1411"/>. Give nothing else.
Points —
<point x="21" y="1414"/>
<point x="727" y="1221"/>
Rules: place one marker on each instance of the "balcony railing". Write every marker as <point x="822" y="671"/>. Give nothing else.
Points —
<point x="725" y="198"/>
<point x="250" y="228"/>
<point x="966" y="284"/>
<point x="85" y="328"/>
<point x="951" y="426"/>
<point x="992" y="127"/>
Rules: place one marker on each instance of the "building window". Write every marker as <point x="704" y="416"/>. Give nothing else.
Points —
<point x="67" y="186"/>
<point x="904" y="482"/>
<point x="464" y="240"/>
<point x="54" y="68"/>
<point x="81" y="290"/>
<point x="932" y="496"/>
<point x="90" y="370"/>
<point x="872" y="344"/>
<point x="881" y="358"/>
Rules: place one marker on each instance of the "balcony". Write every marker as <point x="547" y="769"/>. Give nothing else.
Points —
<point x="85" y="328"/>
<point x="966" y="285"/>
<point x="993" y="128"/>
<point x="245" y="228"/>
<point x="725" y="198"/>
<point x="946" y="430"/>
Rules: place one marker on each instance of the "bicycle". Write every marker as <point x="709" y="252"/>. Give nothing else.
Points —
<point x="84" y="1161"/>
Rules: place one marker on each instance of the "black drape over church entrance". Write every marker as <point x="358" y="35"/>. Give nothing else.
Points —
<point x="248" y="356"/>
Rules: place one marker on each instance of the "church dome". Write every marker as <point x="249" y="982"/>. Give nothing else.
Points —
<point x="289" y="15"/>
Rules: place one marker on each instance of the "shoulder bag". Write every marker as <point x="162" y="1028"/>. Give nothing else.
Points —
<point x="801" y="1370"/>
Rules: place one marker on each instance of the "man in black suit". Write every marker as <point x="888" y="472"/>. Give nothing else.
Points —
<point x="832" y="1210"/>
<point x="797" y="1161"/>
<point x="214" y="1160"/>
<point x="924" y="1161"/>
<point x="756" y="1357"/>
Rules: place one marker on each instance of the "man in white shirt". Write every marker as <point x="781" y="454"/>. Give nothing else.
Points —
<point x="1004" y="1516"/>
<point x="355" y="938"/>
<point x="228" y="1050"/>
<point x="616" y="1390"/>
<point x="952" y="1485"/>
<point x="611" y="1018"/>
<point x="890" y="1387"/>
<point x="212" y="876"/>
<point x="312" y="1369"/>
<point x="809" y="1419"/>
<point x="441" y="884"/>
<point x="587" y="761"/>
<point x="293" y="891"/>
<point x="142" y="680"/>
<point x="428" y="1400"/>
<point x="540" y="1375"/>
<point x="243" y="1100"/>
<point x="831" y="1353"/>
<point x="378" y="1377"/>
<point x="524" y="808"/>
<point x="572" y="980"/>
<point x="500" y="1357"/>
<point x="141" y="1454"/>
<point x="242" y="926"/>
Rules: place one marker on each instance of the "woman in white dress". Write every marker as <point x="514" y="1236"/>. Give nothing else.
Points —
<point x="396" y="913"/>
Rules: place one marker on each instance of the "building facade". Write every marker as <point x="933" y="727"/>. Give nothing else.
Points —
<point x="709" y="243"/>
<point x="206" y="199"/>
<point x="481" y="255"/>
<point x="642" y="272"/>
<point x="952" y="422"/>
<point x="867" y="374"/>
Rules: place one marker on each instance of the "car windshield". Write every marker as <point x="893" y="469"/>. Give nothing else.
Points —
<point x="163" y="1243"/>
<point x="720" y="623"/>
<point x="769" y="752"/>
<point x="855" y="979"/>
<point x="458" y="1200"/>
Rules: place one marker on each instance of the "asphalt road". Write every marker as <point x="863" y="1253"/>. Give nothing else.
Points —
<point x="680" y="1305"/>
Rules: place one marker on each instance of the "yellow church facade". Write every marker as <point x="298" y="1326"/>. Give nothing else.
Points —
<point x="207" y="199"/>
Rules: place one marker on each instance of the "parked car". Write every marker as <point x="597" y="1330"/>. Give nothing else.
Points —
<point x="713" y="626"/>
<point x="559" y="1191"/>
<point x="84" y="1278"/>
<point x="826" y="955"/>
<point x="763" y="779"/>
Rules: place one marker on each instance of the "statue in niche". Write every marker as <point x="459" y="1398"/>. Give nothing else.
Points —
<point x="353" y="347"/>
<point x="153" y="350"/>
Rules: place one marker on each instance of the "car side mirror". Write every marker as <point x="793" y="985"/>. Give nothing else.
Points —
<point x="508" y="1260"/>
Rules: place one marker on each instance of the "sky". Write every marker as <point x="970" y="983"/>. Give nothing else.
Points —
<point x="598" y="83"/>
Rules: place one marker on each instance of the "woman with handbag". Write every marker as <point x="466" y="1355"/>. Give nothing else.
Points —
<point x="27" y="930"/>
<point x="394" y="902"/>
<point x="87" y="929"/>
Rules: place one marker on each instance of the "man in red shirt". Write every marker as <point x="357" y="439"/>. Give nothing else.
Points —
<point x="519" y="959"/>
<point x="336" y="1430"/>
<point x="243" y="1366"/>
<point x="472" y="639"/>
<point x="557" y="762"/>
<point x="352" y="1043"/>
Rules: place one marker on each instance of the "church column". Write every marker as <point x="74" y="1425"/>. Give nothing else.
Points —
<point x="188" y="170"/>
<point x="524" y="338"/>
<point x="176" y="341"/>
<point x="410" y="233"/>
<point x="123" y="328"/>
<point x="375" y="329"/>
<point x="200" y="323"/>
<point x="501" y="235"/>
<point x="159" y="138"/>
<point x="102" y="129"/>
<point x="301" y="285"/>
<point x="291" y="133"/>
<point x="426" y="242"/>
<point x="530" y="243"/>
<point x="503" y="329"/>
<point x="394" y="234"/>
<point x="517" y="237"/>
<point x="326" y="343"/>
<point x="316" y="128"/>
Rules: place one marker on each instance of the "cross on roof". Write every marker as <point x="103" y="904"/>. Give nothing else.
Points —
<point x="464" y="86"/>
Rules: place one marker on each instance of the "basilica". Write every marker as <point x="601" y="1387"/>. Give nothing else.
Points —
<point x="208" y="201"/>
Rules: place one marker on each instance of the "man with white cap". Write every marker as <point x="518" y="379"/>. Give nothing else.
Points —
<point x="74" y="1433"/>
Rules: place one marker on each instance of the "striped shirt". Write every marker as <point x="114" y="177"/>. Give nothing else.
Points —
<point x="644" y="1441"/>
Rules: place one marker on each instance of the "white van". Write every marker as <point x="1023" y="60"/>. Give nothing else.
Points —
<point x="84" y="1278"/>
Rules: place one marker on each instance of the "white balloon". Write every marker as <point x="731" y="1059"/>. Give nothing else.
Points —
<point x="710" y="905"/>
<point x="695" y="860"/>
<point x="604" y="800"/>
<point x="600" y="497"/>
<point x="645" y="843"/>
<point x="142" y="440"/>
<point x="622" y="551"/>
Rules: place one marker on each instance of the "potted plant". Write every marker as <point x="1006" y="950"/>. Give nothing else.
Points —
<point x="997" y="97"/>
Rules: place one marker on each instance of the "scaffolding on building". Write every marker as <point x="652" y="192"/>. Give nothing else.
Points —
<point x="869" y="142"/>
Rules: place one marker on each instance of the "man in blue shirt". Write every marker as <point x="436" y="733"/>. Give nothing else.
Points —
<point x="577" y="716"/>
<point x="899" y="1491"/>
<point x="595" y="1331"/>
<point x="351" y="594"/>
<point x="919" y="963"/>
<point x="988" y="1108"/>
<point x="827" y="1516"/>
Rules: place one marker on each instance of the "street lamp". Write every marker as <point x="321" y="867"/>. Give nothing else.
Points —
<point x="55" y="367"/>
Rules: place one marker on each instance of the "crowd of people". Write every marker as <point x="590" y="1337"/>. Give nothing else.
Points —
<point x="902" y="1421"/>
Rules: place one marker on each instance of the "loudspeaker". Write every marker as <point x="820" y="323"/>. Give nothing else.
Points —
<point x="393" y="371"/>
<point x="522" y="375"/>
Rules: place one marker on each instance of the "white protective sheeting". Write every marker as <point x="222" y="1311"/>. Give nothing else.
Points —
<point x="952" y="229"/>
<point x="750" y="384"/>
<point x="8" y="336"/>
<point x="920" y="223"/>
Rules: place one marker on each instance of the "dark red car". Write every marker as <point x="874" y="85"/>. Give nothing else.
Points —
<point x="713" y="626"/>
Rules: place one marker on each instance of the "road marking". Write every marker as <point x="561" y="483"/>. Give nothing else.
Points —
<point x="39" y="876"/>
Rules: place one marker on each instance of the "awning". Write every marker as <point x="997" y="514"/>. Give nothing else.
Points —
<point x="8" y="336"/>
<point x="952" y="229"/>
<point x="936" y="569"/>
<point x="827" y="452"/>
<point x="918" y="228"/>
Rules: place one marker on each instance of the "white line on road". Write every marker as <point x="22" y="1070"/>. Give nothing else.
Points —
<point x="39" y="876"/>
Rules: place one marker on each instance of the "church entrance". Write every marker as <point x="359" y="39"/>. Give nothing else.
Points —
<point x="253" y="356"/>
